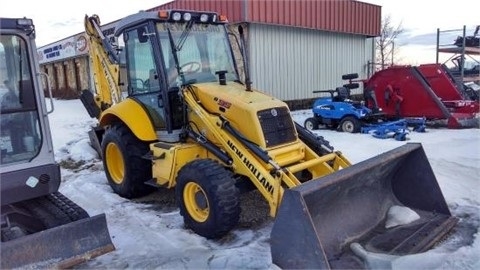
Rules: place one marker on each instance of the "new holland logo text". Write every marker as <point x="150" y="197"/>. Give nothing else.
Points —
<point x="252" y="168"/>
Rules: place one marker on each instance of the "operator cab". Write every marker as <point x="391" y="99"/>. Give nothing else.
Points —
<point x="167" y="50"/>
<point x="20" y="135"/>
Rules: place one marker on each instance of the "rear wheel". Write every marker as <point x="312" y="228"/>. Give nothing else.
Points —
<point x="208" y="198"/>
<point x="125" y="168"/>
<point x="350" y="124"/>
<point x="311" y="123"/>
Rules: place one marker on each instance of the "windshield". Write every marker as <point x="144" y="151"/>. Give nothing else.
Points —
<point x="20" y="137"/>
<point x="205" y="51"/>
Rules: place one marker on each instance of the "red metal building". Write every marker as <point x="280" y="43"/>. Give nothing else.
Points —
<point x="294" y="46"/>
<point x="345" y="16"/>
<point x="297" y="46"/>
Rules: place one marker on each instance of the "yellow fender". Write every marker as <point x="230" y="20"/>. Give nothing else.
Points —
<point x="133" y="115"/>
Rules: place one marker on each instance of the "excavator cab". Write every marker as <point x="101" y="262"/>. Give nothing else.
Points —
<point x="40" y="227"/>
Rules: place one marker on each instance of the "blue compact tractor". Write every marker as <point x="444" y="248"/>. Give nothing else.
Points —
<point x="339" y="112"/>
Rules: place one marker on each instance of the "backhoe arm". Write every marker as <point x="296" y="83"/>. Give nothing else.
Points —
<point x="105" y="64"/>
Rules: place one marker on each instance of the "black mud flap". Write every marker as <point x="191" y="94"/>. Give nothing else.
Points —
<point x="60" y="247"/>
<point x="96" y="134"/>
<point x="319" y="220"/>
<point x="88" y="101"/>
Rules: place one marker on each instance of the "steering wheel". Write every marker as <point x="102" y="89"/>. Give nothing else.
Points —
<point x="191" y="67"/>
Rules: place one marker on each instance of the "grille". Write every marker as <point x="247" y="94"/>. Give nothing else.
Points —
<point x="277" y="126"/>
<point x="44" y="178"/>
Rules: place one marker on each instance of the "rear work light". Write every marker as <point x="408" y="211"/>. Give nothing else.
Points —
<point x="186" y="16"/>
<point x="176" y="16"/>
<point x="25" y="22"/>
<point x="204" y="18"/>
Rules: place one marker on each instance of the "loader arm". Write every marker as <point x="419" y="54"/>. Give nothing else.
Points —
<point x="244" y="162"/>
<point x="269" y="174"/>
<point x="105" y="65"/>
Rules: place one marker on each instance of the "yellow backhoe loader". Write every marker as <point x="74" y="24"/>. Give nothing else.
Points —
<point x="172" y="112"/>
<point x="40" y="227"/>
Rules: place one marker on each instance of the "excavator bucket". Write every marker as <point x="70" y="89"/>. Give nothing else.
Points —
<point x="59" y="247"/>
<point x="319" y="220"/>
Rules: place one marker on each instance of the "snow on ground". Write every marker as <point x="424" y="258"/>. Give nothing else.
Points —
<point x="149" y="232"/>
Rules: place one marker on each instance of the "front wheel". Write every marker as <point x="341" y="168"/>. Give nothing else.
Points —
<point x="350" y="124"/>
<point x="208" y="198"/>
<point x="311" y="123"/>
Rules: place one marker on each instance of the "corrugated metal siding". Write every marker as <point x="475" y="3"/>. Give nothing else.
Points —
<point x="339" y="16"/>
<point x="289" y="63"/>
<point x="369" y="56"/>
<point x="345" y="16"/>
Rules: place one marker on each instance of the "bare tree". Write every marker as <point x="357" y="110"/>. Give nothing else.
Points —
<point x="385" y="44"/>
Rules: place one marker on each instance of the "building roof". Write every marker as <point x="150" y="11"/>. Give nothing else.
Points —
<point x="347" y="16"/>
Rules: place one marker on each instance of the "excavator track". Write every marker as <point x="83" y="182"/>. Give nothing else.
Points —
<point x="47" y="212"/>
<point x="51" y="232"/>
<point x="68" y="207"/>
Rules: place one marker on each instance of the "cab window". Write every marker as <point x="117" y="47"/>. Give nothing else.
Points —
<point x="20" y="136"/>
<point x="141" y="66"/>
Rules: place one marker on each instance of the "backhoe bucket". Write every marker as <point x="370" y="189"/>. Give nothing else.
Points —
<point x="319" y="220"/>
<point x="59" y="247"/>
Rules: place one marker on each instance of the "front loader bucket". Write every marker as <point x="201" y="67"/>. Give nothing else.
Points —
<point x="60" y="247"/>
<point x="319" y="220"/>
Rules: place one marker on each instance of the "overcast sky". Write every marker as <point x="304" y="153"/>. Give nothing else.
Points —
<point x="58" y="19"/>
<point x="420" y="20"/>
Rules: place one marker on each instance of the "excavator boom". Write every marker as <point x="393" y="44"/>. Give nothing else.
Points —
<point x="104" y="62"/>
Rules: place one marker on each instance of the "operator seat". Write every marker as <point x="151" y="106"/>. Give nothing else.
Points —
<point x="343" y="94"/>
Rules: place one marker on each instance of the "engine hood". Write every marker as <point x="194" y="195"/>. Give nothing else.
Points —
<point x="261" y="118"/>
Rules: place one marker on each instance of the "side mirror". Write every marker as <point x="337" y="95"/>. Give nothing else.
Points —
<point x="142" y="35"/>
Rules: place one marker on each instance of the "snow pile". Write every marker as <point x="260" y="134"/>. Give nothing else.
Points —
<point x="400" y="215"/>
<point x="148" y="233"/>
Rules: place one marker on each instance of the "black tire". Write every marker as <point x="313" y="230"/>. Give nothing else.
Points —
<point x="350" y="124"/>
<point x="207" y="197"/>
<point x="311" y="123"/>
<point x="125" y="167"/>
